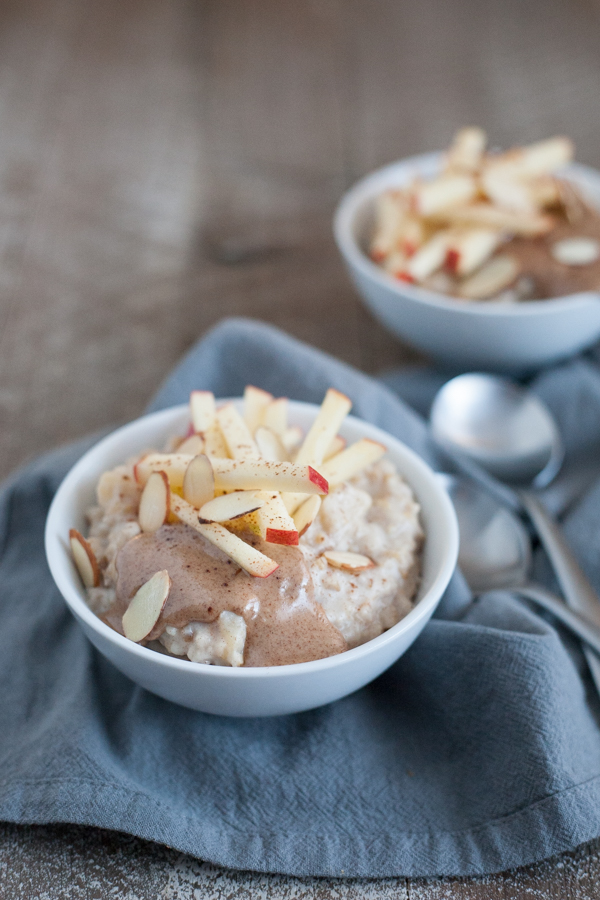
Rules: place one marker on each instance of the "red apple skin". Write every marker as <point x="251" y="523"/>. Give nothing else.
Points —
<point x="278" y="536"/>
<point x="190" y="430"/>
<point x="405" y="276"/>
<point x="316" y="478"/>
<point x="452" y="260"/>
<point x="135" y="468"/>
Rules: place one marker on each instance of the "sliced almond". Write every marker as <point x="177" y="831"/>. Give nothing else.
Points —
<point x="229" y="506"/>
<point x="496" y="275"/>
<point x="194" y="444"/>
<point x="352" y="562"/>
<point x="142" y="614"/>
<point x="202" y="410"/>
<point x="155" y="502"/>
<point x="269" y="445"/>
<point x="248" y="558"/>
<point x="85" y="559"/>
<point x="199" y="481"/>
<point x="351" y="461"/>
<point x="306" y="514"/>
<point x="239" y="441"/>
<point x="255" y="402"/>
<point x="576" y="251"/>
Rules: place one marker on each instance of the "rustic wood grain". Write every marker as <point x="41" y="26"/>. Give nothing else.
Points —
<point x="164" y="163"/>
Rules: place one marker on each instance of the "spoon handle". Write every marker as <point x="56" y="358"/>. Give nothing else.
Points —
<point x="578" y="624"/>
<point x="577" y="590"/>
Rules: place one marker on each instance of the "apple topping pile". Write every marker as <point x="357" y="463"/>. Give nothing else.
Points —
<point x="238" y="474"/>
<point x="447" y="234"/>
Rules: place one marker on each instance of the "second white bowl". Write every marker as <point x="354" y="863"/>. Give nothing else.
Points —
<point x="254" y="691"/>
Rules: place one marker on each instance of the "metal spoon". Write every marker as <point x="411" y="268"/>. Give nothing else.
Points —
<point x="495" y="553"/>
<point x="509" y="432"/>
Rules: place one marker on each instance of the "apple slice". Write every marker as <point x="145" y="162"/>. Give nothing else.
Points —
<point x="576" y="251"/>
<point x="352" y="461"/>
<point x="269" y="445"/>
<point x="199" y="481"/>
<point x="173" y="464"/>
<point x="202" y="409"/>
<point x="496" y="275"/>
<point x="335" y="447"/>
<point x="261" y="474"/>
<point x="255" y="402"/>
<point x="428" y="258"/>
<point x="307" y="513"/>
<point x="142" y="614"/>
<point x="194" y="444"/>
<point x="155" y="502"/>
<point x="84" y="559"/>
<point x="334" y="409"/>
<point x="466" y="151"/>
<point x="540" y="158"/>
<point x="239" y="441"/>
<point x="428" y="197"/>
<point x="275" y="417"/>
<point x="292" y="438"/>
<point x="351" y="562"/>
<point x="275" y="525"/>
<point x="391" y="209"/>
<point x="490" y="216"/>
<point x="214" y="442"/>
<point x="230" y="506"/>
<point x="252" y="561"/>
<point x="468" y="249"/>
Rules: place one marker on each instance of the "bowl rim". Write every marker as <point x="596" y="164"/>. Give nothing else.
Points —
<point x="65" y="582"/>
<point x="371" y="185"/>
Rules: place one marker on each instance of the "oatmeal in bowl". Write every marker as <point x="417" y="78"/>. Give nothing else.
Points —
<point x="248" y="545"/>
<point x="320" y="590"/>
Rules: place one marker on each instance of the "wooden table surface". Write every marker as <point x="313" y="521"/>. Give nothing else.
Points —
<point x="165" y="163"/>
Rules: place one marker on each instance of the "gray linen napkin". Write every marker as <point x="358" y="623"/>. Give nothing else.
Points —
<point x="478" y="751"/>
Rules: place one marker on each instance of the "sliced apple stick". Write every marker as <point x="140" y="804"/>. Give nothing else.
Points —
<point x="214" y="442"/>
<point x="275" y="417"/>
<point x="274" y="523"/>
<point x="199" y="481"/>
<point x="292" y="438"/>
<point x="492" y="217"/>
<point x="269" y="445"/>
<point x="293" y="501"/>
<point x="390" y="212"/>
<point x="155" y="502"/>
<point x="173" y="464"/>
<point x="466" y="151"/>
<point x="334" y="409"/>
<point x="430" y="197"/>
<point x="540" y="158"/>
<point x="239" y="441"/>
<point x="255" y="402"/>
<point x="307" y="513"/>
<point x="495" y="276"/>
<point x="202" y="409"/>
<point x="428" y="258"/>
<point x="352" y="562"/>
<point x="509" y="193"/>
<point x="193" y="444"/>
<point x="352" y="461"/>
<point x="85" y="559"/>
<point x="144" y="610"/>
<point x="260" y="474"/>
<point x="335" y="447"/>
<point x="230" y="506"/>
<point x="248" y="558"/>
<point x="470" y="248"/>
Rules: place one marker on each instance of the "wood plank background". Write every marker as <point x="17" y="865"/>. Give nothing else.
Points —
<point x="164" y="163"/>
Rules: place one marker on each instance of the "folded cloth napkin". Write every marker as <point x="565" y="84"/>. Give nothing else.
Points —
<point x="478" y="751"/>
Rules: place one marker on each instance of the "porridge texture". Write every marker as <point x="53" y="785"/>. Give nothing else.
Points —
<point x="307" y="609"/>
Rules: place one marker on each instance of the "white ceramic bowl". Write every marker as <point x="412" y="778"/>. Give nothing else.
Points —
<point x="514" y="338"/>
<point x="265" y="691"/>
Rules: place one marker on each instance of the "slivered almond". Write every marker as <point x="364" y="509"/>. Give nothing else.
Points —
<point x="496" y="275"/>
<point x="85" y="559"/>
<point x="576" y="251"/>
<point x="247" y="557"/>
<point x="143" y="612"/>
<point x="307" y="513"/>
<point x="193" y="444"/>
<point x="352" y="562"/>
<point x="230" y="506"/>
<point x="155" y="502"/>
<point x="199" y="481"/>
